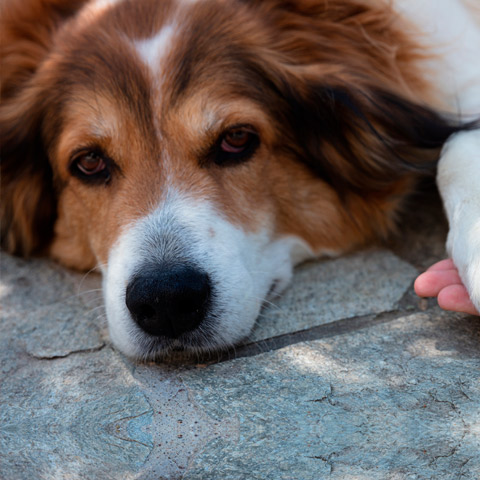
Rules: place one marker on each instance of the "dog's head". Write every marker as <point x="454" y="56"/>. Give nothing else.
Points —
<point x="197" y="150"/>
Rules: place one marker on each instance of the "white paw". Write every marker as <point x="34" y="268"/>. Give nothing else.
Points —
<point x="464" y="248"/>
<point x="459" y="183"/>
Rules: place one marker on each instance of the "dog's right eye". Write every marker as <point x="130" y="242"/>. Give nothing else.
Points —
<point x="91" y="167"/>
<point x="91" y="164"/>
<point x="235" y="145"/>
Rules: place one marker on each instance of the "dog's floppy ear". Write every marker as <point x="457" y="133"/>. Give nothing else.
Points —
<point x="27" y="210"/>
<point x="348" y="91"/>
<point x="365" y="139"/>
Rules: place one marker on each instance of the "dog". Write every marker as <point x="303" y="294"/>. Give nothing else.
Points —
<point x="197" y="150"/>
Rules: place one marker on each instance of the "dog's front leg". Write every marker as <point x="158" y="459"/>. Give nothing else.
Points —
<point x="459" y="183"/>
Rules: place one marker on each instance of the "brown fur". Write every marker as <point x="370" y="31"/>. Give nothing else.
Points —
<point x="333" y="89"/>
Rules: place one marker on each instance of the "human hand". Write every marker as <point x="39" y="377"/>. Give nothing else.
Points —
<point x="441" y="280"/>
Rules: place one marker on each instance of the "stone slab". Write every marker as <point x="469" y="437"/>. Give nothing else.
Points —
<point x="322" y="292"/>
<point x="29" y="284"/>
<point x="76" y="417"/>
<point x="396" y="401"/>
<point x="52" y="311"/>
<point x="44" y="299"/>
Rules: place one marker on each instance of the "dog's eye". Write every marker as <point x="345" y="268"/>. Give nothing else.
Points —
<point x="91" y="167"/>
<point x="236" y="144"/>
<point x="91" y="164"/>
<point x="236" y="140"/>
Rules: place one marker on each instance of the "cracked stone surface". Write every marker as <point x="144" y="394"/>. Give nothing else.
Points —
<point x="400" y="398"/>
<point x="372" y="282"/>
<point x="68" y="417"/>
<point x="396" y="395"/>
<point x="51" y="310"/>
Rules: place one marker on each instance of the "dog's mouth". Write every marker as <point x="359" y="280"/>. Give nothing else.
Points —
<point x="197" y="344"/>
<point x="274" y="290"/>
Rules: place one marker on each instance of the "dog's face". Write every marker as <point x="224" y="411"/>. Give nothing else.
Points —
<point x="197" y="151"/>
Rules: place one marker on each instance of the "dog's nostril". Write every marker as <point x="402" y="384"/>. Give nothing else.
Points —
<point x="169" y="301"/>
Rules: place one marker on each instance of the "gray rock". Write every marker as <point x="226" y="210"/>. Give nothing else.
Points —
<point x="323" y="292"/>
<point x="180" y="428"/>
<point x="63" y="328"/>
<point x="391" y="400"/>
<point x="27" y="285"/>
<point x="52" y="311"/>
<point x="78" y="417"/>
<point x="398" y="400"/>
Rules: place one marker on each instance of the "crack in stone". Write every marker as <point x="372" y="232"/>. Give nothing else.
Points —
<point x="326" y="460"/>
<point x="435" y="399"/>
<point x="327" y="397"/>
<point x="465" y="395"/>
<point x="453" y="452"/>
<point x="132" y="440"/>
<point x="333" y="329"/>
<point x="456" y="448"/>
<point x="66" y="355"/>
<point x="132" y="417"/>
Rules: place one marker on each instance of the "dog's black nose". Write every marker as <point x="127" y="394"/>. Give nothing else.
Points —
<point x="169" y="301"/>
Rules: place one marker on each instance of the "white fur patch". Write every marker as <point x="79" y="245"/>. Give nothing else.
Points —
<point x="106" y="3"/>
<point x="459" y="183"/>
<point x="449" y="30"/>
<point x="98" y="7"/>
<point x="153" y="50"/>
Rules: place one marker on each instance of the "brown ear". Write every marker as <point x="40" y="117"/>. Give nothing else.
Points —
<point x="349" y="92"/>
<point x="366" y="140"/>
<point x="28" y="209"/>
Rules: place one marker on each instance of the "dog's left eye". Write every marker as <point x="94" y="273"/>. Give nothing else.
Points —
<point x="91" y="164"/>
<point x="90" y="167"/>
<point x="236" y="140"/>
<point x="236" y="145"/>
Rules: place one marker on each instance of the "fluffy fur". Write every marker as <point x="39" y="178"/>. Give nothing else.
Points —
<point x="340" y="103"/>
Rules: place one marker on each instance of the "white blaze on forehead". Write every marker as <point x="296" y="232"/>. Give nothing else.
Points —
<point x="153" y="50"/>
<point x="106" y="3"/>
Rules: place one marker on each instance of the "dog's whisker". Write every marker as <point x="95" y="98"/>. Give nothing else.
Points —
<point x="89" y="272"/>
<point x="267" y="303"/>
<point x="86" y="292"/>
<point x="95" y="309"/>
